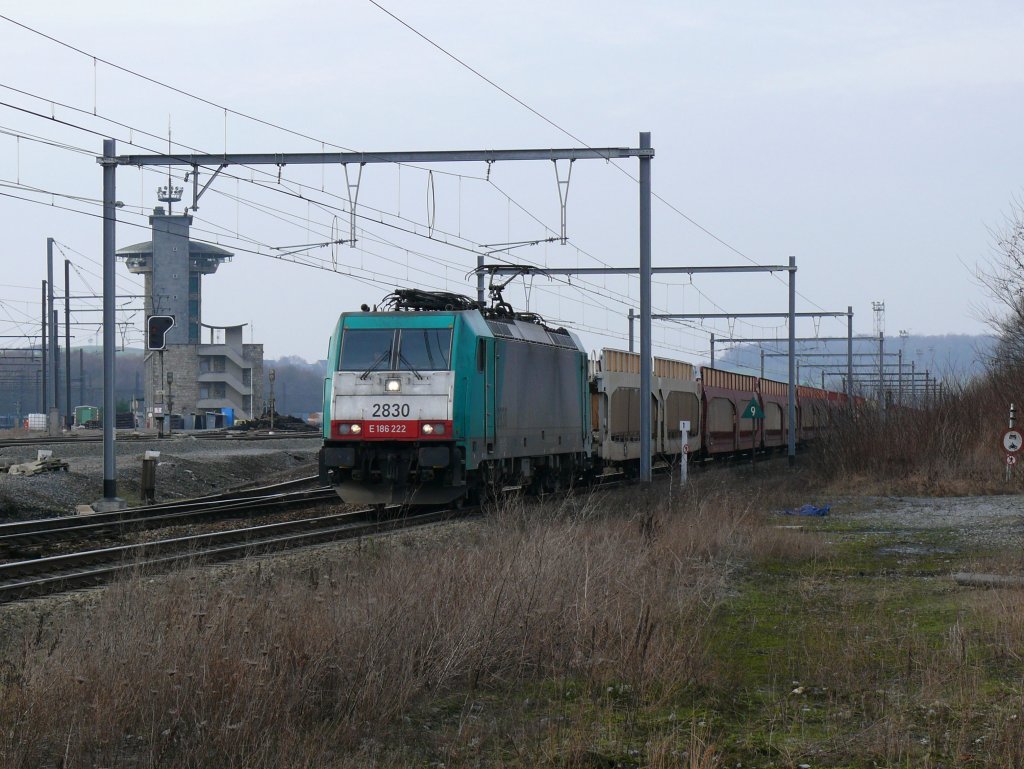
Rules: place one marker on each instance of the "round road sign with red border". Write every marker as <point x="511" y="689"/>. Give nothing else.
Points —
<point x="1012" y="441"/>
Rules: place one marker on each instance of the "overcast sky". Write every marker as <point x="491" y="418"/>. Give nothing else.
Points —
<point x="877" y="142"/>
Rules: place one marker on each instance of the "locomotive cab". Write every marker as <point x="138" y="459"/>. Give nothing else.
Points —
<point x="391" y="435"/>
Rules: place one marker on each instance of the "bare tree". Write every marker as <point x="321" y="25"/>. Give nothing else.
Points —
<point x="1003" y="279"/>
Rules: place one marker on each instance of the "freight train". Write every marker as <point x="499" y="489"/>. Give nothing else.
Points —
<point x="432" y="397"/>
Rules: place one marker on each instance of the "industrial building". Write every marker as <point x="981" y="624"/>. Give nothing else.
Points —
<point x="202" y="385"/>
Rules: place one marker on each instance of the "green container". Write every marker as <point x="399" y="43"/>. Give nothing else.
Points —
<point x="84" y="414"/>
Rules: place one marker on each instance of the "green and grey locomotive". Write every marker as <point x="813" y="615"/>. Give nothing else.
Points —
<point x="433" y="397"/>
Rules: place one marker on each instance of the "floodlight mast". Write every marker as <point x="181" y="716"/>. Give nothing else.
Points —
<point x="109" y="161"/>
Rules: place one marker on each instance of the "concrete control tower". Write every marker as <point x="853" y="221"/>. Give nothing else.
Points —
<point x="207" y="385"/>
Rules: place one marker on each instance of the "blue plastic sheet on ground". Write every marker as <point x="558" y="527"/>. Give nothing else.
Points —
<point x="808" y="510"/>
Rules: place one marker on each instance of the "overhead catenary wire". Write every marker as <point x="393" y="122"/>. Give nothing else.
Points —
<point x="263" y="207"/>
<point x="367" y="277"/>
<point x="575" y="138"/>
<point x="226" y="110"/>
<point x="626" y="300"/>
<point x="277" y="188"/>
<point x="269" y="253"/>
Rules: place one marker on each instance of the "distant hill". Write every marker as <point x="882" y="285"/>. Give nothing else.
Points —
<point x="952" y="356"/>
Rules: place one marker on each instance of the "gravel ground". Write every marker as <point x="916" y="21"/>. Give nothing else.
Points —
<point x="187" y="467"/>
<point x="979" y="522"/>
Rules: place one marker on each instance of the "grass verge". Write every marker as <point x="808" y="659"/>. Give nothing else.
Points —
<point x="687" y="629"/>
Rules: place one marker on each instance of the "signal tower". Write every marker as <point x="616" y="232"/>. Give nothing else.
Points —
<point x="213" y="383"/>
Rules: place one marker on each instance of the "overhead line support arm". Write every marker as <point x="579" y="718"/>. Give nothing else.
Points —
<point x="727" y="315"/>
<point x="525" y="269"/>
<point x="327" y="158"/>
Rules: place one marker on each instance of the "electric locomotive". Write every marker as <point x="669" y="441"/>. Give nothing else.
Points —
<point x="433" y="397"/>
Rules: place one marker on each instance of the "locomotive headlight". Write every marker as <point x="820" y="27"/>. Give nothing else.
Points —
<point x="393" y="385"/>
<point x="428" y="429"/>
<point x="356" y="429"/>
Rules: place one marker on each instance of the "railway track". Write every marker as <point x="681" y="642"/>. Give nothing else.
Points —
<point x="42" y="576"/>
<point x="17" y="536"/>
<point x="129" y="436"/>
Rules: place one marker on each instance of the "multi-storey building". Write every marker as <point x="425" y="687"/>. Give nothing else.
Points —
<point x="206" y="384"/>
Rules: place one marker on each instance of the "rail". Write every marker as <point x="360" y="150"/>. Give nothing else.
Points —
<point x="41" y="576"/>
<point x="260" y="499"/>
<point x="128" y="435"/>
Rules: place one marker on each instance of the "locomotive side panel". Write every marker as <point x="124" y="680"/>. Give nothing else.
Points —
<point x="540" y="400"/>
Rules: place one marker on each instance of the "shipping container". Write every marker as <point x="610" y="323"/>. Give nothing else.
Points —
<point x="85" y="414"/>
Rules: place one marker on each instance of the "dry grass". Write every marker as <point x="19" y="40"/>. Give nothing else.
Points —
<point x="681" y="629"/>
<point x="948" y="447"/>
<point x="306" y="669"/>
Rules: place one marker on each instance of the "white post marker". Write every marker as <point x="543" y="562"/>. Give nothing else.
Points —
<point x="684" y="436"/>
<point x="1012" y="442"/>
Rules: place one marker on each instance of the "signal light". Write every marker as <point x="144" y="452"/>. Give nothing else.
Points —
<point x="157" y="327"/>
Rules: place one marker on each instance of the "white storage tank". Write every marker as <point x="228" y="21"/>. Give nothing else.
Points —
<point x="36" y="422"/>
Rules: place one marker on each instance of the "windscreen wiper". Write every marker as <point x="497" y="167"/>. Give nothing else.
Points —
<point x="386" y="355"/>
<point x="410" y="367"/>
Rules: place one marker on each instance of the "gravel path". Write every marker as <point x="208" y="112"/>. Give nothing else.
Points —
<point x="978" y="521"/>
<point x="187" y="467"/>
